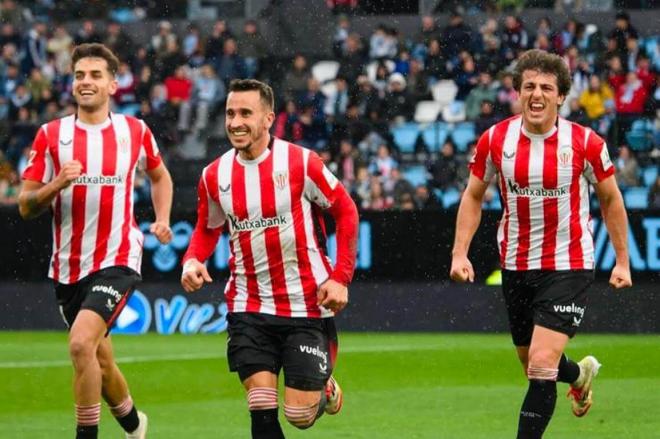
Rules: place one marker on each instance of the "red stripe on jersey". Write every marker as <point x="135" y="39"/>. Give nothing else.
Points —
<point x="231" y="290"/>
<point x="135" y="130"/>
<point x="521" y="176"/>
<point x="496" y="147"/>
<point x="320" y="235"/>
<point x="296" y="183"/>
<point x="79" y="199"/>
<point x="576" y="255"/>
<point x="106" y="199"/>
<point x="239" y="203"/>
<point x="550" y="205"/>
<point x="272" y="235"/>
<point x="53" y="133"/>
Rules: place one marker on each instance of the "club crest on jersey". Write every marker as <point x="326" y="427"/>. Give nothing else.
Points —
<point x="281" y="179"/>
<point x="123" y="144"/>
<point x="565" y="155"/>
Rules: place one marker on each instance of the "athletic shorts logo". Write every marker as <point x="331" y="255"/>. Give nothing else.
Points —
<point x="571" y="309"/>
<point x="109" y="290"/>
<point x="314" y="351"/>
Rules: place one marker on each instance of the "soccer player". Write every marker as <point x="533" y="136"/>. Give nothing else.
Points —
<point x="82" y="167"/>
<point x="544" y="165"/>
<point x="282" y="292"/>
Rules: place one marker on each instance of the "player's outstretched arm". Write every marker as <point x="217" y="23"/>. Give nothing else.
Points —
<point x="36" y="197"/>
<point x="161" y="197"/>
<point x="616" y="221"/>
<point x="467" y="222"/>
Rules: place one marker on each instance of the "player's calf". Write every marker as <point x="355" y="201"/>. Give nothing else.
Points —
<point x="302" y="417"/>
<point x="262" y="403"/>
<point x="539" y="403"/>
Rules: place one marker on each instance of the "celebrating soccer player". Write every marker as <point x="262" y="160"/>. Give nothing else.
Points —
<point x="82" y="167"/>
<point x="268" y="195"/>
<point x="544" y="165"/>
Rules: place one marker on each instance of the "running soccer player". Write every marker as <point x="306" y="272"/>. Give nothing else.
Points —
<point x="544" y="165"/>
<point x="82" y="167"/>
<point x="282" y="292"/>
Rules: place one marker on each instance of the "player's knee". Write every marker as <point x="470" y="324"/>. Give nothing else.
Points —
<point x="81" y="349"/>
<point x="544" y="358"/>
<point x="301" y="417"/>
<point x="262" y="398"/>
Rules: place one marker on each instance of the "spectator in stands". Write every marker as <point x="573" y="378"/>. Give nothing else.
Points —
<point x="484" y="91"/>
<point x="208" y="92"/>
<point x="380" y="81"/>
<point x="314" y="130"/>
<point x="144" y="84"/>
<point x="506" y="94"/>
<point x="444" y="171"/>
<point x="633" y="51"/>
<point x="10" y="186"/>
<point x="60" y="45"/>
<point x="287" y="125"/>
<point x="377" y="198"/>
<point x="645" y="72"/>
<point x="383" y="43"/>
<point x="14" y="14"/>
<point x="398" y="104"/>
<point x="20" y="98"/>
<point x="168" y="60"/>
<point x="654" y="194"/>
<point x="457" y="36"/>
<point x="161" y="40"/>
<point x="313" y="97"/>
<point x="616" y="75"/>
<point x="179" y="88"/>
<point x="598" y="103"/>
<point x="125" y="94"/>
<point x="252" y="46"/>
<point x="337" y="102"/>
<point x="383" y="163"/>
<point x="9" y="35"/>
<point x="357" y="126"/>
<point x="514" y="38"/>
<point x="87" y="34"/>
<point x="398" y="188"/>
<point x="295" y="79"/>
<point x="489" y="30"/>
<point x="21" y="135"/>
<point x="230" y="65"/>
<point x="191" y="45"/>
<point x="119" y="41"/>
<point x="367" y="97"/>
<point x="352" y="61"/>
<point x="487" y="117"/>
<point x="622" y="31"/>
<point x="466" y="76"/>
<point x="576" y="112"/>
<point x="418" y="82"/>
<point x="424" y="199"/>
<point x="35" y="48"/>
<point x="216" y="41"/>
<point x="348" y="162"/>
<point x="490" y="59"/>
<point x="36" y="84"/>
<point x="436" y="63"/>
<point x="627" y="169"/>
<point x="629" y="98"/>
<point x="429" y="31"/>
<point x="342" y="31"/>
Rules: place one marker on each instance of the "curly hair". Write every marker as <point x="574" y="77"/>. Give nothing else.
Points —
<point x="544" y="62"/>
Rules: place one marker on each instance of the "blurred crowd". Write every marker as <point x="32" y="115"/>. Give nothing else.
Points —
<point x="177" y="83"/>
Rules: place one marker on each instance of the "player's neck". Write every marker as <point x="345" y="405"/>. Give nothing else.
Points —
<point x="93" y="117"/>
<point x="255" y="150"/>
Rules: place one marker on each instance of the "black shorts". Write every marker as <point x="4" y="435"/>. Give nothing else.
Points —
<point x="304" y="348"/>
<point x="105" y="292"/>
<point x="556" y="300"/>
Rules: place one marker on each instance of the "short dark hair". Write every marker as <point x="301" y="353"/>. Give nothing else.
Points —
<point x="95" y="50"/>
<point x="265" y="91"/>
<point x="543" y="62"/>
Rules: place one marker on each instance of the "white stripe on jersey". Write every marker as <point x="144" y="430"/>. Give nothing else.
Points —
<point x="564" y="178"/>
<point x="508" y="168"/>
<point x="65" y="154"/>
<point x="536" y="209"/>
<point x="94" y="167"/>
<point x="288" y="232"/>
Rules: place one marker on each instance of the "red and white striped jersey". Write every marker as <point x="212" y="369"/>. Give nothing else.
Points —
<point x="270" y="206"/>
<point x="544" y="182"/>
<point x="93" y="224"/>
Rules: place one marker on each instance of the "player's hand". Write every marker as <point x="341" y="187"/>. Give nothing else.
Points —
<point x="161" y="230"/>
<point x="69" y="172"/>
<point x="194" y="275"/>
<point x="332" y="295"/>
<point x="461" y="269"/>
<point x="620" y="277"/>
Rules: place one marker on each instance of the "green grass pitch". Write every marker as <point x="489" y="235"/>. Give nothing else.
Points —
<point x="436" y="386"/>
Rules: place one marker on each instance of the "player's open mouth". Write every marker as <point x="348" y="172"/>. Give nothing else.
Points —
<point x="239" y="133"/>
<point x="87" y="93"/>
<point x="536" y="107"/>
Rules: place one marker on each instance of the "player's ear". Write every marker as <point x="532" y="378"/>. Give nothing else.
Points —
<point x="560" y="100"/>
<point x="270" y="118"/>
<point x="112" y="88"/>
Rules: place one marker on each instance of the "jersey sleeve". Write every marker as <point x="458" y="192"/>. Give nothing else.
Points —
<point x="321" y="186"/>
<point x="150" y="153"/>
<point x="598" y="165"/>
<point x="210" y="223"/>
<point x="40" y="164"/>
<point x="481" y="163"/>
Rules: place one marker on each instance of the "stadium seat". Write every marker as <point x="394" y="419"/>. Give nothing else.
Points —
<point x="324" y="71"/>
<point x="450" y="197"/>
<point x="653" y="50"/>
<point x="416" y="175"/>
<point x="640" y="136"/>
<point x="427" y="111"/>
<point x="405" y="137"/>
<point x="434" y="136"/>
<point x="636" y="198"/>
<point x="462" y="135"/>
<point x="454" y="112"/>
<point x="649" y="175"/>
<point x="444" y="91"/>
